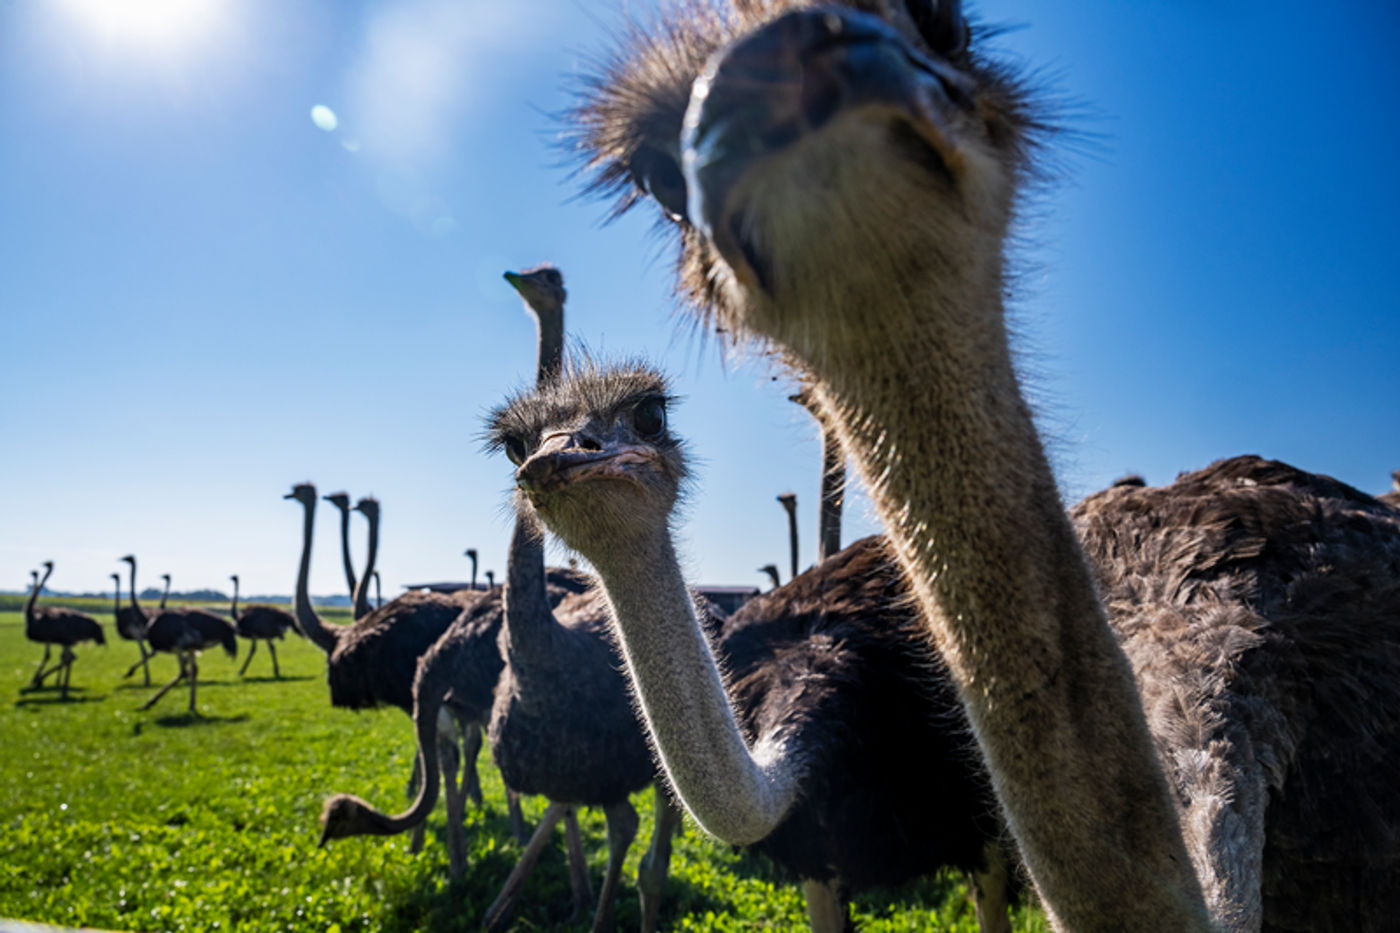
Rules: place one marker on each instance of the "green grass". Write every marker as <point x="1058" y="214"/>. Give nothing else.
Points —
<point x="119" y="819"/>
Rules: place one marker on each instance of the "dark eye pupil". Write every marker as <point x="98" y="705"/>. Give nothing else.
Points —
<point x="650" y="419"/>
<point x="515" y="449"/>
<point x="660" y="176"/>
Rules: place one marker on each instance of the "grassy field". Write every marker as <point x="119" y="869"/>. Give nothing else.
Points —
<point x="153" y="821"/>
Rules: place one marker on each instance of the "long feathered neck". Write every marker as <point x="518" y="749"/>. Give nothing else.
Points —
<point x="345" y="550"/>
<point x="135" y="606"/>
<point x="324" y="637"/>
<point x="362" y="591"/>
<point x="833" y="487"/>
<point x="116" y="596"/>
<point x="233" y="608"/>
<point x="959" y="476"/>
<point x="529" y="621"/>
<point x="737" y="794"/>
<point x="550" y="357"/>
<point x="165" y="595"/>
<point x="33" y="598"/>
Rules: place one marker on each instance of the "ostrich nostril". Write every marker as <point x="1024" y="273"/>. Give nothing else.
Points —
<point x="588" y="443"/>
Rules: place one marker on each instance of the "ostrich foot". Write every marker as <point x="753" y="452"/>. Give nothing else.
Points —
<point x="827" y="909"/>
<point x="499" y="910"/>
<point x="622" y="829"/>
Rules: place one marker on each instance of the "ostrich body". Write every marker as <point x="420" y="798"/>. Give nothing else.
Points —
<point x="849" y="181"/>
<point x="260" y="623"/>
<point x="51" y="625"/>
<point x="844" y="743"/>
<point x="130" y="627"/>
<point x="183" y="632"/>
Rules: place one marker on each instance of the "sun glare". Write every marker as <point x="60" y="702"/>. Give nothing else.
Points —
<point x="148" y="23"/>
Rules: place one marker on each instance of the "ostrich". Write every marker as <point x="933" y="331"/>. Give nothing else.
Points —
<point x="51" y="625"/>
<point x="843" y="182"/>
<point x="146" y="655"/>
<point x="260" y="623"/>
<point x="772" y="571"/>
<point x="542" y="736"/>
<point x="865" y="775"/>
<point x="129" y="626"/>
<point x="183" y="632"/>
<point x="471" y="555"/>
<point x="490" y="579"/>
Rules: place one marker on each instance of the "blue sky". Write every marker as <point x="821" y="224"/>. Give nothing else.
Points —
<point x="205" y="297"/>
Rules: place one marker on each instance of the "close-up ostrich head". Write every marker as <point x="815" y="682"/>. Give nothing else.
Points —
<point x="594" y="455"/>
<point x="810" y="155"/>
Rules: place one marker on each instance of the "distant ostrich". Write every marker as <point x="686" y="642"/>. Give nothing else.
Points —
<point x="147" y="655"/>
<point x="184" y="632"/>
<point x="857" y="769"/>
<point x="772" y="571"/>
<point x="850" y="178"/>
<point x="260" y="623"/>
<point x="490" y="579"/>
<point x="129" y="626"/>
<point x="51" y="625"/>
<point x="471" y="555"/>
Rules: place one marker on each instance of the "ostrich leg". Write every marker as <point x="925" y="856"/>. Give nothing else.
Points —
<point x="500" y="907"/>
<point x="272" y="649"/>
<point x="194" y="681"/>
<point x="166" y="689"/>
<point x="827" y="908"/>
<point x="622" y="829"/>
<point x="655" y="865"/>
<point x="581" y="887"/>
<point x="37" y="680"/>
<point x="249" y="660"/>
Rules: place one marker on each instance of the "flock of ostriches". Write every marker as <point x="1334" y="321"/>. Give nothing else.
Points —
<point x="1169" y="708"/>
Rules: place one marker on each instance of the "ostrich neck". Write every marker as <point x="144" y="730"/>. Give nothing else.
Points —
<point x="135" y="606"/>
<point x="116" y="596"/>
<point x="958" y="475"/>
<point x="362" y="591"/>
<point x="345" y="550"/>
<point x="550" y="356"/>
<point x="736" y="794"/>
<point x="233" y="609"/>
<point x="165" y="596"/>
<point x="832" y="487"/>
<point x="529" y="622"/>
<point x="33" y="598"/>
<point x="324" y="637"/>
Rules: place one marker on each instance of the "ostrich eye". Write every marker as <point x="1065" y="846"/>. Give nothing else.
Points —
<point x="942" y="24"/>
<point x="657" y="173"/>
<point x="649" y="418"/>
<point x="515" y="449"/>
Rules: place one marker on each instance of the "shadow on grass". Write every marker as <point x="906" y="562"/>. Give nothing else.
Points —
<point x="52" y="696"/>
<point x="284" y="679"/>
<point x="186" y="719"/>
<point x="544" y="903"/>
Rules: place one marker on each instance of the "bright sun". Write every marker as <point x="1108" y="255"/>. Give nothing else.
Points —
<point x="165" y="23"/>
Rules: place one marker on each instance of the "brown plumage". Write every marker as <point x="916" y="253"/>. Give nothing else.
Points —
<point x="53" y="625"/>
<point x="184" y="632"/>
<point x="1260" y="607"/>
